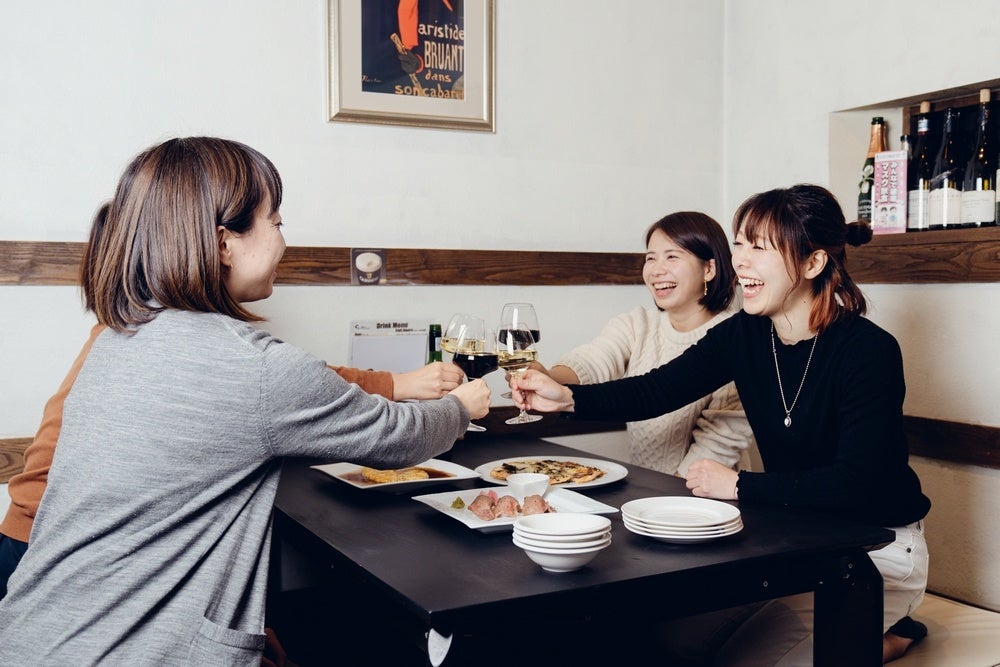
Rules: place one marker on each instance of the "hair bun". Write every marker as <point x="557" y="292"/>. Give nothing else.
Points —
<point x="858" y="233"/>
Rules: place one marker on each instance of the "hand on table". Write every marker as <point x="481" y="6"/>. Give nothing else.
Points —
<point x="475" y="396"/>
<point x="427" y="382"/>
<point x="711" y="479"/>
<point x="534" y="390"/>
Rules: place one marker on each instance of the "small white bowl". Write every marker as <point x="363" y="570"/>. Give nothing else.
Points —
<point x="563" y="540"/>
<point x="561" y="560"/>
<point x="562" y="523"/>
<point x="523" y="540"/>
<point x="524" y="484"/>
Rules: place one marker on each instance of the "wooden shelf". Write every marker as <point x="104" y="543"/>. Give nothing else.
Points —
<point x="935" y="256"/>
<point x="57" y="263"/>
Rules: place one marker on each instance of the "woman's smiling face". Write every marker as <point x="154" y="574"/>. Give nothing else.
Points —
<point x="764" y="276"/>
<point x="675" y="276"/>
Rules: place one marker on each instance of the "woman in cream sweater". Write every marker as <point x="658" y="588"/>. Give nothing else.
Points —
<point x="689" y="274"/>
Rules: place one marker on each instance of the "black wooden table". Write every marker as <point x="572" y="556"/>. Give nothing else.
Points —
<point x="472" y="591"/>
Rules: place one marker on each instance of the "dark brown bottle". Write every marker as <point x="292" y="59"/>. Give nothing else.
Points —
<point x="979" y="197"/>
<point x="919" y="173"/>
<point x="946" y="182"/>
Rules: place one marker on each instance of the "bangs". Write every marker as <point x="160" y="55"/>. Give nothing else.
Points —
<point x="266" y="180"/>
<point x="769" y="216"/>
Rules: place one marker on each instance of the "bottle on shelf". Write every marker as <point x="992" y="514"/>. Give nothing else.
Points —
<point x="876" y="144"/>
<point x="979" y="197"/>
<point x="434" y="343"/>
<point x="919" y="173"/>
<point x="945" y="200"/>
<point x="906" y="145"/>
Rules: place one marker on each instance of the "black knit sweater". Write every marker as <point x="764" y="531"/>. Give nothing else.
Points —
<point x="845" y="452"/>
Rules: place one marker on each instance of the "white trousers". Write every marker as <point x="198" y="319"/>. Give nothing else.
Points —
<point x="778" y="633"/>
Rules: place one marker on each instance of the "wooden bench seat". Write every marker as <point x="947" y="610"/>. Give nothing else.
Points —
<point x="958" y="635"/>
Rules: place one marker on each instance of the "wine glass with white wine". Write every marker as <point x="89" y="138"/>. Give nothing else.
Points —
<point x="515" y="352"/>
<point x="464" y="331"/>
<point x="517" y="314"/>
<point x="472" y="347"/>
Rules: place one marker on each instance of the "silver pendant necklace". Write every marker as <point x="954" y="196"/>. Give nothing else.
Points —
<point x="777" y="371"/>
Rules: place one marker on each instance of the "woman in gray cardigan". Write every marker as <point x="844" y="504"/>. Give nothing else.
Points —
<point x="150" y="546"/>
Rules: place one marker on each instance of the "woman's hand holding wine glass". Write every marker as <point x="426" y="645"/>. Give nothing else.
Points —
<point x="517" y="314"/>
<point x="515" y="352"/>
<point x="535" y="390"/>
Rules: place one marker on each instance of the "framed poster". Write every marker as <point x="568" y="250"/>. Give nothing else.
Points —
<point x="424" y="63"/>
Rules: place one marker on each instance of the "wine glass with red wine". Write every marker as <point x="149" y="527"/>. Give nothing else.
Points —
<point x="472" y="347"/>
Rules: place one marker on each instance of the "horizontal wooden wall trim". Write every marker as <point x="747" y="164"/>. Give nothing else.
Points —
<point x="57" y="263"/>
<point x="931" y="438"/>
<point x="956" y="442"/>
<point x="935" y="256"/>
<point x="940" y="256"/>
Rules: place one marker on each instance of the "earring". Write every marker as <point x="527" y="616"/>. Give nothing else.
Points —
<point x="705" y="293"/>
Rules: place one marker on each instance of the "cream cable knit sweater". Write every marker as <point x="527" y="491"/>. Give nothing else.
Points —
<point x="713" y="427"/>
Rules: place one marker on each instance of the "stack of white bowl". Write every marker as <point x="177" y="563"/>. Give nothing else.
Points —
<point x="562" y="541"/>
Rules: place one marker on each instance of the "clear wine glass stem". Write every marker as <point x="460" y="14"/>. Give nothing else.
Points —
<point x="523" y="417"/>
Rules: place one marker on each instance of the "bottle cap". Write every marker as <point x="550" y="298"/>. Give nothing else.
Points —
<point x="984" y="95"/>
<point x="925" y="107"/>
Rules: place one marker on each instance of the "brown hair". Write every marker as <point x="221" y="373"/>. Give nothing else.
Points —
<point x="798" y="221"/>
<point x="704" y="238"/>
<point x="155" y="245"/>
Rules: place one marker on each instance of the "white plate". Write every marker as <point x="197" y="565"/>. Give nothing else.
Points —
<point x="612" y="471"/>
<point x="561" y="500"/>
<point x="684" y="532"/>
<point x="673" y="530"/>
<point x="350" y="473"/>
<point x="680" y="511"/>
<point x="680" y="538"/>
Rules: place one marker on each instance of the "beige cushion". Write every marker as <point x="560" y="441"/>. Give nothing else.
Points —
<point x="958" y="635"/>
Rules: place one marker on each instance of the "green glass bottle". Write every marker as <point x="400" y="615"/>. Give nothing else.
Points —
<point x="434" y="343"/>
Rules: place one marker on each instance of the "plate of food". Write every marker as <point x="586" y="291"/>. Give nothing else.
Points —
<point x="491" y="511"/>
<point x="563" y="471"/>
<point x="431" y="471"/>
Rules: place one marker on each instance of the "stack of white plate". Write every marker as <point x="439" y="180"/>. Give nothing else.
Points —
<point x="562" y="541"/>
<point x="681" y="519"/>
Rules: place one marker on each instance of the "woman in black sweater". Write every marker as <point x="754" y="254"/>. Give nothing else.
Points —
<point x="821" y="385"/>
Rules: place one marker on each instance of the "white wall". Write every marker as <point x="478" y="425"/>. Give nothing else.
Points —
<point x="788" y="65"/>
<point x="605" y="122"/>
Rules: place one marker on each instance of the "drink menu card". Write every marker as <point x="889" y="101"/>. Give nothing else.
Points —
<point x="889" y="193"/>
<point x="398" y="346"/>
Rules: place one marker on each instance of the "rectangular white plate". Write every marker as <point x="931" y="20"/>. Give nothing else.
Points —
<point x="350" y="473"/>
<point x="561" y="500"/>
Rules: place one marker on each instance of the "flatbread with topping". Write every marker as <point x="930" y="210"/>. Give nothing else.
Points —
<point x="387" y="476"/>
<point x="559" y="472"/>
